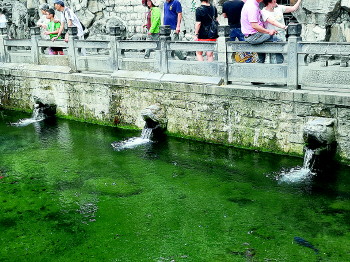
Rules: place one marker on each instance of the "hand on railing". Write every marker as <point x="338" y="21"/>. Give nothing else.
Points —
<point x="272" y="31"/>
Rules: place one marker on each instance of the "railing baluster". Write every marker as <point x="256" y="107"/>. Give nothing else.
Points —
<point x="72" y="52"/>
<point x="163" y="59"/>
<point x="3" y="36"/>
<point x="222" y="52"/>
<point x="294" y="31"/>
<point x="35" y="36"/>
<point x="115" y="36"/>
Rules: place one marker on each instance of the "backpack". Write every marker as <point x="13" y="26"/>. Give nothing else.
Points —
<point x="212" y="28"/>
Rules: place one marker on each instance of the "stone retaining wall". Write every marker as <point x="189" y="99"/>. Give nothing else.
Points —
<point x="263" y="118"/>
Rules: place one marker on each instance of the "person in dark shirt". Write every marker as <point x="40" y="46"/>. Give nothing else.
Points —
<point x="173" y="17"/>
<point x="231" y="10"/>
<point x="205" y="14"/>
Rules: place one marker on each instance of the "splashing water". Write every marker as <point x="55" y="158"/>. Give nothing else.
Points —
<point x="135" y="141"/>
<point x="147" y="133"/>
<point x="299" y="174"/>
<point x="37" y="116"/>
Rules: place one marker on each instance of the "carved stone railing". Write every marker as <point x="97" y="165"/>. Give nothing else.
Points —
<point x="318" y="64"/>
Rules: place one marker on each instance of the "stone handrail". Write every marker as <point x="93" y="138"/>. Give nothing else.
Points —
<point x="305" y="63"/>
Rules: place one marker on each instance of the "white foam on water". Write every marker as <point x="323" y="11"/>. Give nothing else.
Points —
<point x="295" y="175"/>
<point x="37" y="116"/>
<point x="135" y="141"/>
<point x="130" y="143"/>
<point x="298" y="174"/>
<point x="26" y="122"/>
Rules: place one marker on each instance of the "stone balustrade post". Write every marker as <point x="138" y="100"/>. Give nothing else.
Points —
<point x="3" y="36"/>
<point x="72" y="51"/>
<point x="35" y="36"/>
<point x="163" y="57"/>
<point x="224" y="32"/>
<point x="115" y="37"/>
<point x="344" y="60"/>
<point x="294" y="31"/>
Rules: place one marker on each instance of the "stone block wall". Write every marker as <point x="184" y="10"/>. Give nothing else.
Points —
<point x="258" y="118"/>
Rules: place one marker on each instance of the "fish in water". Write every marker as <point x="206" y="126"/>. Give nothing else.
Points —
<point x="305" y="243"/>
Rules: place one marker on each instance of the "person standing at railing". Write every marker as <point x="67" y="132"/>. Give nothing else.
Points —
<point x="43" y="21"/>
<point x="231" y="10"/>
<point x="272" y="15"/>
<point x="205" y="15"/>
<point x="253" y="26"/>
<point x="52" y="31"/>
<point x="3" y="20"/>
<point x="69" y="18"/>
<point x="147" y="24"/>
<point x="153" y="33"/>
<point x="173" y="18"/>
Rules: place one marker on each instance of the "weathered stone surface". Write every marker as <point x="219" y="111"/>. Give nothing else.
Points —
<point x="262" y="118"/>
<point x="319" y="131"/>
<point x="154" y="114"/>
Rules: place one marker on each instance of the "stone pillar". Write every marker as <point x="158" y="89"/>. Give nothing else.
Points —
<point x="115" y="37"/>
<point x="224" y="33"/>
<point x="72" y="52"/>
<point x="3" y="36"/>
<point x="35" y="36"/>
<point x="163" y="57"/>
<point x="344" y="60"/>
<point x="294" y="31"/>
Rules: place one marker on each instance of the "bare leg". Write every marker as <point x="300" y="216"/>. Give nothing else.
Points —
<point x="199" y="55"/>
<point x="210" y="56"/>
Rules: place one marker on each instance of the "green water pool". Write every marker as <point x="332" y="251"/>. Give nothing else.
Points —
<point x="66" y="195"/>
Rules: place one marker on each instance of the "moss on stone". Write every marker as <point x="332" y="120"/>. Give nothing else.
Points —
<point x="267" y="149"/>
<point x="98" y="122"/>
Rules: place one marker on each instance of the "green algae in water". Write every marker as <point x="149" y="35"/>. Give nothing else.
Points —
<point x="110" y="186"/>
<point x="65" y="195"/>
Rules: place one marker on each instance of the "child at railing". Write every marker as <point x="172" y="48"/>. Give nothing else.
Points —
<point x="52" y="31"/>
<point x="153" y="33"/>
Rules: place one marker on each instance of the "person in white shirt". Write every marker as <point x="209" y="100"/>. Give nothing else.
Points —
<point x="272" y="15"/>
<point x="3" y="20"/>
<point x="43" y="21"/>
<point x="69" y="18"/>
